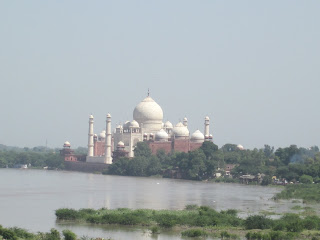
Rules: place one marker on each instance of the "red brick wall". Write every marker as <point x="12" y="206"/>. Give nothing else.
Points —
<point x="181" y="145"/>
<point x="155" y="146"/>
<point x="194" y="146"/>
<point x="99" y="148"/>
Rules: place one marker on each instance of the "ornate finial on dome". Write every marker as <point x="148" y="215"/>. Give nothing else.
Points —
<point x="148" y="92"/>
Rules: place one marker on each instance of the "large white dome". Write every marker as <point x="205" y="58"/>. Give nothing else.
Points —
<point x="180" y="131"/>
<point x="149" y="113"/>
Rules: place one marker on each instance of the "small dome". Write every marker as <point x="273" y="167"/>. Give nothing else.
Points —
<point x="120" y="144"/>
<point x="108" y="115"/>
<point x="197" y="136"/>
<point x="126" y="125"/>
<point x="161" y="135"/>
<point x="180" y="130"/>
<point x="134" y="124"/>
<point x="66" y="144"/>
<point x="206" y="118"/>
<point x="95" y="135"/>
<point x="240" y="147"/>
<point x="185" y="119"/>
<point x="168" y="125"/>
<point x="102" y="134"/>
<point x="91" y="116"/>
<point x="119" y="127"/>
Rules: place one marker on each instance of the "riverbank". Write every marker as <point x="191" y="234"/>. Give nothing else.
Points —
<point x="201" y="221"/>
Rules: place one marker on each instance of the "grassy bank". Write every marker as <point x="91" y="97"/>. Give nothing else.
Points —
<point x="16" y="233"/>
<point x="307" y="192"/>
<point x="202" y="221"/>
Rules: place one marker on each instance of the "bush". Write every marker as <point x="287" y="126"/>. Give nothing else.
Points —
<point x="293" y="222"/>
<point x="311" y="222"/>
<point x="54" y="234"/>
<point x="254" y="236"/>
<point x="154" y="229"/>
<point x="22" y="233"/>
<point x="167" y="220"/>
<point x="306" y="179"/>
<point x="194" y="233"/>
<point x="191" y="207"/>
<point x="68" y="235"/>
<point x="258" y="222"/>
<point x="67" y="214"/>
<point x="225" y="234"/>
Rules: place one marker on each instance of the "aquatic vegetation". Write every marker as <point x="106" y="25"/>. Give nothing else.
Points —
<point x="202" y="216"/>
<point x="306" y="192"/>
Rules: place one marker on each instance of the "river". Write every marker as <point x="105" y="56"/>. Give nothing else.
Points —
<point x="29" y="198"/>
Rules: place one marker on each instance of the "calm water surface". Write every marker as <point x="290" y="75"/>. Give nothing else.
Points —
<point x="28" y="199"/>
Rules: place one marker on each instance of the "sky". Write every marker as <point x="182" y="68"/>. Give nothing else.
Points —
<point x="251" y="66"/>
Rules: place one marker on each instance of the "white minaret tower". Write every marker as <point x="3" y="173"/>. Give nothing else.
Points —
<point x="206" y="128"/>
<point x="108" y="140"/>
<point x="90" y="137"/>
<point x="185" y="122"/>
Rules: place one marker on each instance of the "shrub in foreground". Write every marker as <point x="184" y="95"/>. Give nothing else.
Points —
<point x="68" y="235"/>
<point x="258" y="222"/>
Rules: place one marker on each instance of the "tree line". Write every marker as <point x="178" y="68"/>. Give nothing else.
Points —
<point x="290" y="163"/>
<point x="11" y="159"/>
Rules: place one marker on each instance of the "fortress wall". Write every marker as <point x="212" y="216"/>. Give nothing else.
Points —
<point x="194" y="146"/>
<point x="181" y="145"/>
<point x="155" y="146"/>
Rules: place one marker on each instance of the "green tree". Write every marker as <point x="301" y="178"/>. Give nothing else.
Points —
<point x="142" y="150"/>
<point x="209" y="148"/>
<point x="154" y="166"/>
<point x="137" y="166"/>
<point x="268" y="151"/>
<point x="196" y="166"/>
<point x="229" y="147"/>
<point x="306" y="179"/>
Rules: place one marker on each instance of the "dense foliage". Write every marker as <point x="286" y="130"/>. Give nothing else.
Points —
<point x="291" y="163"/>
<point x="34" y="159"/>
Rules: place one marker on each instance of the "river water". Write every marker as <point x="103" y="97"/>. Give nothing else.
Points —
<point x="29" y="198"/>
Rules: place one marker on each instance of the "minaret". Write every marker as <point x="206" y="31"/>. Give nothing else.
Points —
<point x="185" y="122"/>
<point x="206" y="128"/>
<point x="108" y="140"/>
<point x="90" y="137"/>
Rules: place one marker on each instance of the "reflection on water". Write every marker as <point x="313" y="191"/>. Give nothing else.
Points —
<point x="28" y="198"/>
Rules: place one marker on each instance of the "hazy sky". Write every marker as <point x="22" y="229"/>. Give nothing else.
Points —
<point x="251" y="66"/>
